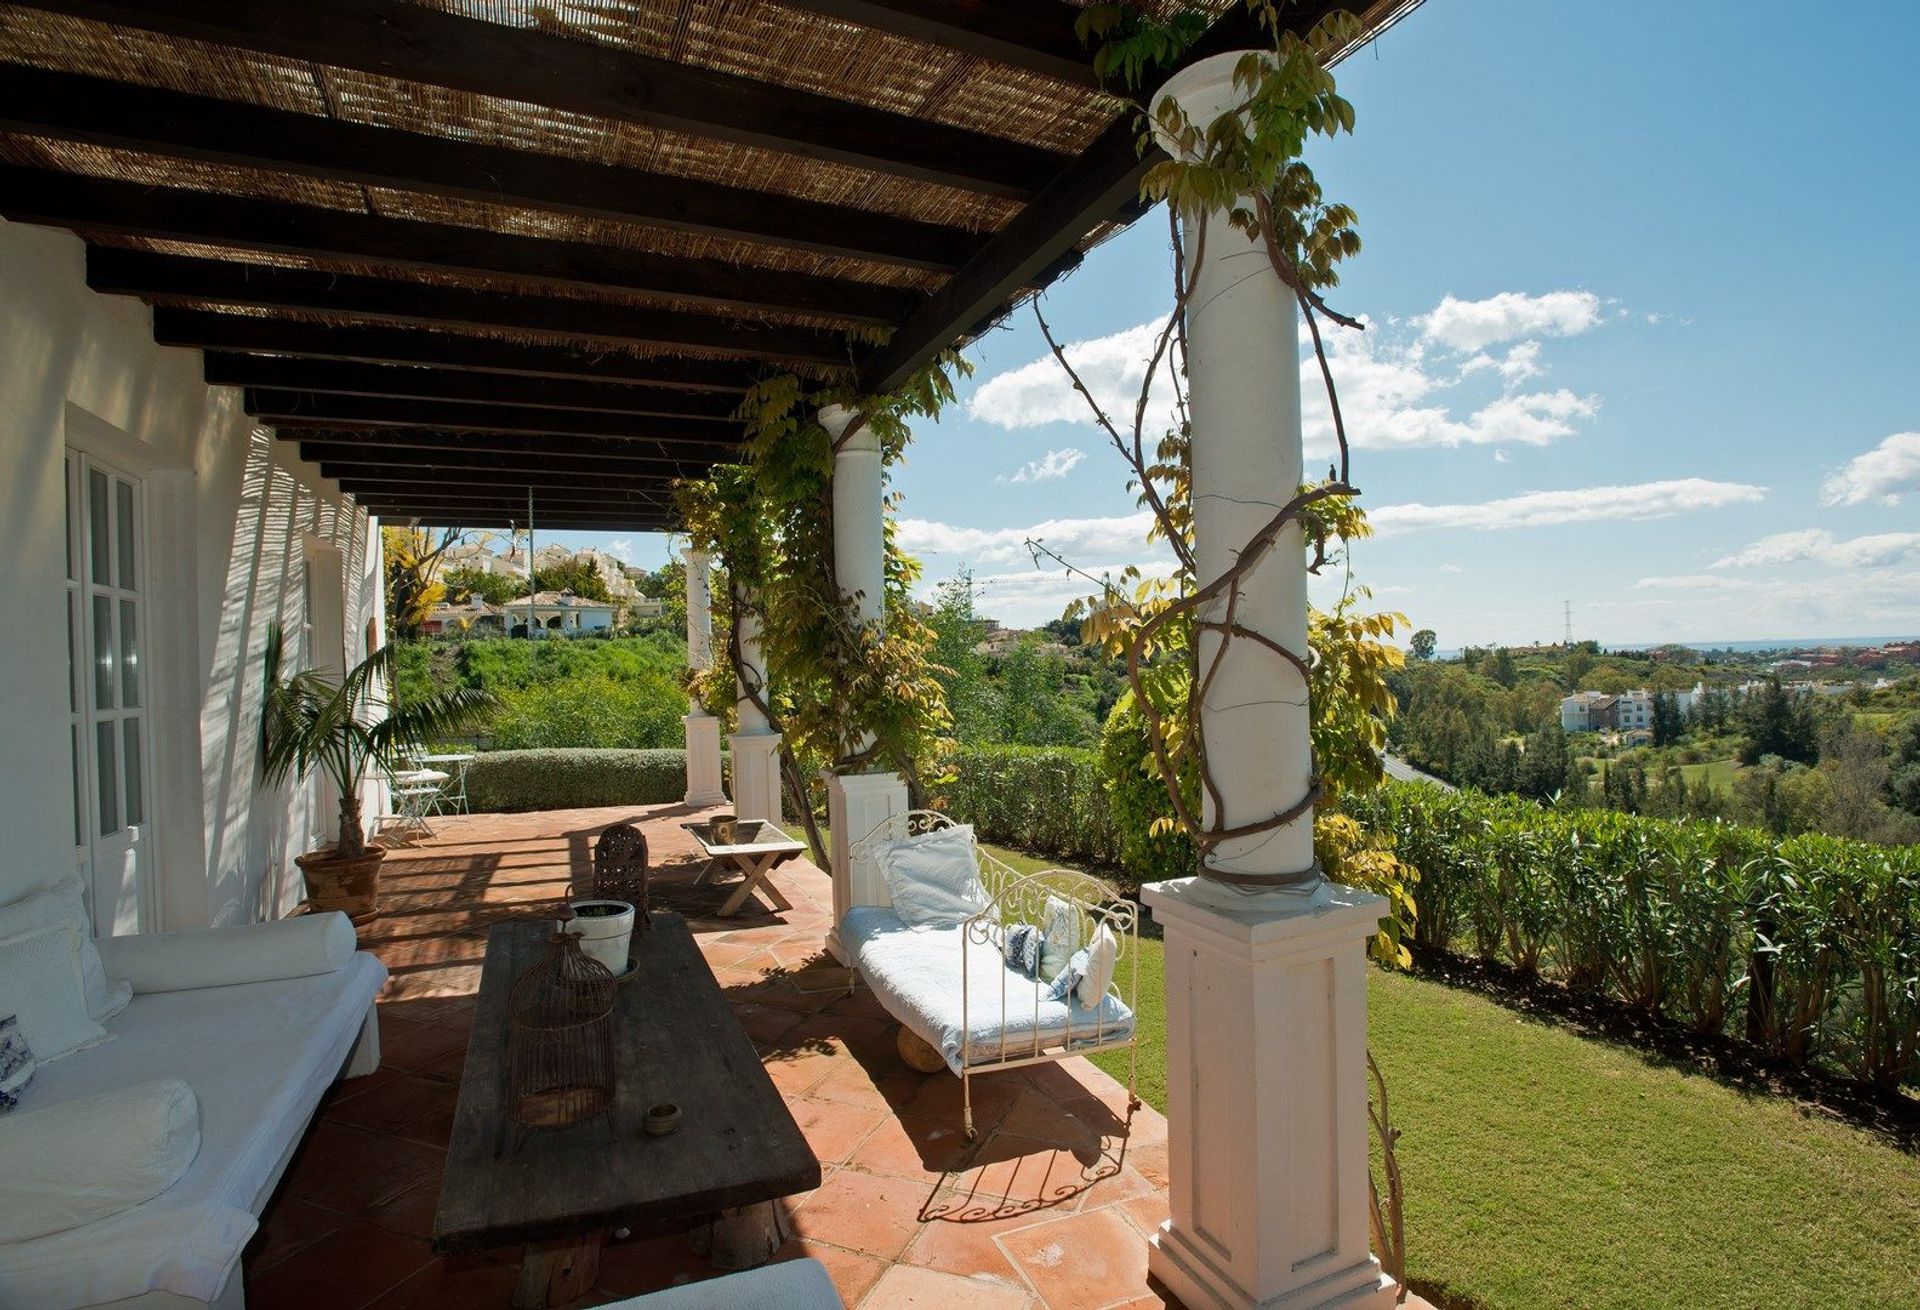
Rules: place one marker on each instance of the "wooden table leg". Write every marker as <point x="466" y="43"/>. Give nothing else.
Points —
<point x="554" y="1273"/>
<point x="742" y="1238"/>
<point x="756" y="871"/>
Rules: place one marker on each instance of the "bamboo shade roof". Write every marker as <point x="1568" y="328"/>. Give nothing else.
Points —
<point x="467" y="250"/>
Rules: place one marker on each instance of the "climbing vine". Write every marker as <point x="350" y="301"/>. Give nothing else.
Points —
<point x="844" y="694"/>
<point x="1243" y="172"/>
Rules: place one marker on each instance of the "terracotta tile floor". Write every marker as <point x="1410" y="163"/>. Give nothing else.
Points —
<point x="1049" y="1209"/>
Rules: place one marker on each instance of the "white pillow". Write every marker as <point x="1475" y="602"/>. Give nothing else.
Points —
<point x="1060" y="922"/>
<point x="64" y="903"/>
<point x="1102" y="955"/>
<point x="91" y="1157"/>
<point x="934" y="878"/>
<point x="221" y="957"/>
<point x="41" y="980"/>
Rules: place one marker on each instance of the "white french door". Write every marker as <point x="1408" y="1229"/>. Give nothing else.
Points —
<point x="107" y="693"/>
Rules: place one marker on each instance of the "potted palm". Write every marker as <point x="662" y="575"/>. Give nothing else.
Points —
<point x="342" y="729"/>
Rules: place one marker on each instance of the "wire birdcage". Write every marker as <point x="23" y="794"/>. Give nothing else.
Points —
<point x="560" y="1038"/>
<point x="620" y="868"/>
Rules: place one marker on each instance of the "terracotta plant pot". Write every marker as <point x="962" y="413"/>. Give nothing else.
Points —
<point x="348" y="885"/>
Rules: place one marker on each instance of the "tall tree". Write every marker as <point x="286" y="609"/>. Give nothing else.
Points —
<point x="1422" y="644"/>
<point x="412" y="557"/>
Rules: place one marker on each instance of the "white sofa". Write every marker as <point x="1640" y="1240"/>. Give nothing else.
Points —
<point x="258" y="1052"/>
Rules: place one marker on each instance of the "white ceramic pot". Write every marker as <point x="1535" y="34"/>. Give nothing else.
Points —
<point x="603" y="936"/>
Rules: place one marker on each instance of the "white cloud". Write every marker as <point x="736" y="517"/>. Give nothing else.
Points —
<point x="1053" y="464"/>
<point x="1476" y="324"/>
<point x="1645" y="500"/>
<point x="1119" y="537"/>
<point x="1039" y="392"/>
<point x="1720" y="605"/>
<point x="1820" y="546"/>
<point x="1393" y="383"/>
<point x="1451" y="568"/>
<point x="1884" y="473"/>
<point x="1390" y="393"/>
<point x="621" y="548"/>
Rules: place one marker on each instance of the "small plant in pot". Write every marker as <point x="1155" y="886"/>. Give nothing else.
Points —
<point x="313" y="724"/>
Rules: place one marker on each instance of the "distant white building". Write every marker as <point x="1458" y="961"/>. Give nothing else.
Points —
<point x="559" y="613"/>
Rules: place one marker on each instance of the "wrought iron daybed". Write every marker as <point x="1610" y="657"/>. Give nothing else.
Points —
<point x="952" y="986"/>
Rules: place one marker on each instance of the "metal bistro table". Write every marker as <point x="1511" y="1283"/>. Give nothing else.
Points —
<point x="758" y="848"/>
<point x="561" y="1190"/>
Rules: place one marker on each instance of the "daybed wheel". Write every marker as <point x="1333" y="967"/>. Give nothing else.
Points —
<point x="920" y="1056"/>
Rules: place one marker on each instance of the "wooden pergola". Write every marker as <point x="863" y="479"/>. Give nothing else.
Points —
<point x="474" y="254"/>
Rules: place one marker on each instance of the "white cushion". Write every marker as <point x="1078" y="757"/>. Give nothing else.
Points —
<point x="88" y="1158"/>
<point x="1102" y="955"/>
<point x="934" y="878"/>
<point x="65" y="904"/>
<point x="225" y="957"/>
<point x="41" y="983"/>
<point x="1060" y="922"/>
<point x="259" y="1058"/>
<point x="789" y="1285"/>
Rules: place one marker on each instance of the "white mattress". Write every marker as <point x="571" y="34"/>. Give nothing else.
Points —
<point x="258" y="1056"/>
<point x="915" y="972"/>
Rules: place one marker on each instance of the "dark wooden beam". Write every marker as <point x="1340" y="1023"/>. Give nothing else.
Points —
<point x="373" y="469"/>
<point x="1101" y="185"/>
<point x="175" y="326"/>
<point x="73" y="107"/>
<point x="501" y="443"/>
<point x="609" y="523"/>
<point x="698" y="409"/>
<point x="32" y="195"/>
<point x="1036" y="35"/>
<point x="215" y="281"/>
<point x="319" y="408"/>
<point x="402" y="484"/>
<point x="531" y="465"/>
<point x="393" y="38"/>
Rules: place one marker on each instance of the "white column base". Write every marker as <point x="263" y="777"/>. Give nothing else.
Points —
<point x="1267" y="1099"/>
<point x="857" y="804"/>
<point x="703" y="761"/>
<point x="756" y="775"/>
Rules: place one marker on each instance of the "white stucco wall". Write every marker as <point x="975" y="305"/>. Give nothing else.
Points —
<point x="231" y="514"/>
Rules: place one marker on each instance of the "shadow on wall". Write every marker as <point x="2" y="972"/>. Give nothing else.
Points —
<point x="254" y="833"/>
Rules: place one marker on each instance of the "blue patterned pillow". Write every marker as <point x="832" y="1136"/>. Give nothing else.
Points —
<point x="16" y="1063"/>
<point x="1024" y="946"/>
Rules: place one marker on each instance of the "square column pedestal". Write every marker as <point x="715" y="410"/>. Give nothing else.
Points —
<point x="857" y="804"/>
<point x="703" y="761"/>
<point x="756" y="775"/>
<point x="1267" y="1098"/>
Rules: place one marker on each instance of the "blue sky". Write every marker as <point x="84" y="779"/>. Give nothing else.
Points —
<point x="1644" y="288"/>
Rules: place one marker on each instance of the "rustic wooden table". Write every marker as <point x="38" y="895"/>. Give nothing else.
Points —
<point x="757" y="850"/>
<point x="561" y="1190"/>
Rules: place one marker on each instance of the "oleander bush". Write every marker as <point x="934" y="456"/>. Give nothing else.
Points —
<point x="1809" y="945"/>
<point x="570" y="779"/>
<point x="639" y="712"/>
<point x="1044" y="799"/>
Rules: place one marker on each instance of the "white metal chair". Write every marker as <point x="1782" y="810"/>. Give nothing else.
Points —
<point x="412" y="794"/>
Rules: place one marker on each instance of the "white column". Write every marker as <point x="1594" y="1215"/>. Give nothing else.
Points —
<point x="1266" y="985"/>
<point x="756" y="746"/>
<point x="858" y="804"/>
<point x="703" y="729"/>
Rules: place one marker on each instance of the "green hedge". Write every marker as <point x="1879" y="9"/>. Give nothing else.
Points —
<point x="1044" y="799"/>
<point x="1808" y="946"/>
<point x="572" y="779"/>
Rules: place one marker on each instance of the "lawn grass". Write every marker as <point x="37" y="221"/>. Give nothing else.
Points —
<point x="1718" y="773"/>
<point x="1547" y="1168"/>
